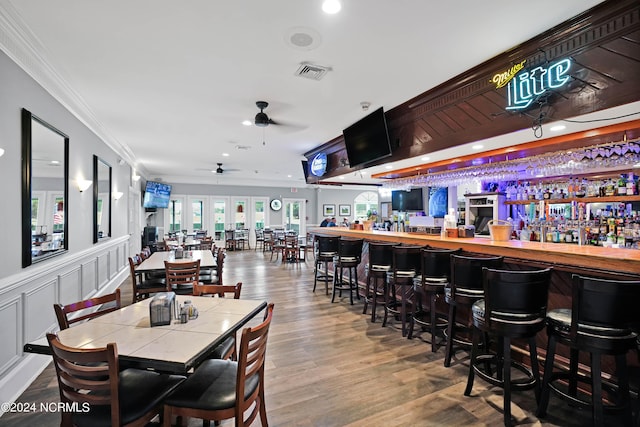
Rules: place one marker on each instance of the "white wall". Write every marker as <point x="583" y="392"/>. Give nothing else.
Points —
<point x="28" y="294"/>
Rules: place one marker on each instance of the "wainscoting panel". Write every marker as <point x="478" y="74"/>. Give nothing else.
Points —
<point x="103" y="269"/>
<point x="89" y="277"/>
<point x="71" y="286"/>
<point x="11" y="348"/>
<point x="38" y="309"/>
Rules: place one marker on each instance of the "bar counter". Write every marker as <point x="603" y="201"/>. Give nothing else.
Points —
<point x="566" y="256"/>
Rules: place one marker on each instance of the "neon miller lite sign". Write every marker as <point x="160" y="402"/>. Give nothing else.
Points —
<point x="524" y="87"/>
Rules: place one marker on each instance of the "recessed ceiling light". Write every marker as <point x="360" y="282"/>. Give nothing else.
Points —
<point x="342" y="177"/>
<point x="455" y="160"/>
<point x="247" y="122"/>
<point x="477" y="146"/>
<point x="288" y="176"/>
<point x="557" y="128"/>
<point x="331" y="6"/>
<point x="424" y="159"/>
<point x="55" y="162"/>
<point x="388" y="167"/>
<point x="225" y="154"/>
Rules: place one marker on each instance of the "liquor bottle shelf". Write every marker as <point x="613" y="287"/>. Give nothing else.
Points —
<point x="605" y="199"/>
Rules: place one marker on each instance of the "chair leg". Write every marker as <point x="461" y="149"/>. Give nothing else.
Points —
<point x="450" y="330"/>
<point x="573" y="371"/>
<point x="596" y="387"/>
<point x="506" y="349"/>
<point x="326" y="278"/>
<point x="535" y="368"/>
<point x="367" y="292"/>
<point x="475" y="339"/>
<point x="548" y="370"/>
<point x="315" y="276"/>
<point x="335" y="282"/>
<point x="351" y="286"/>
<point x="433" y="319"/>
<point x="623" y="387"/>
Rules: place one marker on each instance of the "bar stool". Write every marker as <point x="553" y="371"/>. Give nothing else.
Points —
<point x="348" y="257"/>
<point x="600" y="322"/>
<point x="406" y="265"/>
<point x="327" y="249"/>
<point x="465" y="288"/>
<point x="436" y="271"/>
<point x="380" y="259"/>
<point x="514" y="306"/>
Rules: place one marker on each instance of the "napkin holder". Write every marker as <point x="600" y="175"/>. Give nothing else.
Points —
<point x="162" y="308"/>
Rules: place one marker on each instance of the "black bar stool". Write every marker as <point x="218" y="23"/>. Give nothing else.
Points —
<point x="349" y="257"/>
<point x="436" y="270"/>
<point x="601" y="320"/>
<point x="380" y="259"/>
<point x="465" y="288"/>
<point x="514" y="306"/>
<point x="327" y="249"/>
<point x="406" y="265"/>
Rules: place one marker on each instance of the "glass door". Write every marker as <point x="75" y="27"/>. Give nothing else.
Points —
<point x="197" y="213"/>
<point x="259" y="215"/>
<point x="239" y="214"/>
<point x="219" y="206"/>
<point x="294" y="215"/>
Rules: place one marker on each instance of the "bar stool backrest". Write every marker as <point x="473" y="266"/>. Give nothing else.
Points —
<point x="436" y="263"/>
<point x="516" y="296"/>
<point x="350" y="248"/>
<point x="406" y="258"/>
<point x="603" y="310"/>
<point x="380" y="254"/>
<point x="328" y="244"/>
<point x="466" y="271"/>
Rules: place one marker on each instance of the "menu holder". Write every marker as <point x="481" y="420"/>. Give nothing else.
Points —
<point x="162" y="308"/>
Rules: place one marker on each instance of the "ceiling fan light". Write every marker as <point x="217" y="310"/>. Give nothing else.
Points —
<point x="261" y="119"/>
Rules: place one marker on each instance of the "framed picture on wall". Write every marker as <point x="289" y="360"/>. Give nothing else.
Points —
<point x="345" y="210"/>
<point x="328" y="210"/>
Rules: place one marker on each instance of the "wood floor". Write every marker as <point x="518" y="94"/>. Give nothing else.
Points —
<point x="328" y="365"/>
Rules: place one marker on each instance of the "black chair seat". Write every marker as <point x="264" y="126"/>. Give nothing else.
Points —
<point x="141" y="391"/>
<point x="151" y="283"/>
<point x="209" y="279"/>
<point x="211" y="387"/>
<point x="223" y="349"/>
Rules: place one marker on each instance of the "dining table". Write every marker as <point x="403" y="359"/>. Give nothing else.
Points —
<point x="174" y="348"/>
<point x="156" y="261"/>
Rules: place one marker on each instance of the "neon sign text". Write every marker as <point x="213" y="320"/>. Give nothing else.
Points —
<point x="319" y="164"/>
<point x="526" y="86"/>
<point x="501" y="79"/>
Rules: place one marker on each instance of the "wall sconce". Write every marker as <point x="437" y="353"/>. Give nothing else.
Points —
<point x="135" y="177"/>
<point x="117" y="194"/>
<point x="83" y="184"/>
<point x="1" y="151"/>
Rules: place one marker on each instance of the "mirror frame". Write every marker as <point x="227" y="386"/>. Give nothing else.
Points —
<point x="27" y="170"/>
<point x="97" y="162"/>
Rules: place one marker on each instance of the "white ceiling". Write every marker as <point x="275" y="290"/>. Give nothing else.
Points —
<point x="168" y="83"/>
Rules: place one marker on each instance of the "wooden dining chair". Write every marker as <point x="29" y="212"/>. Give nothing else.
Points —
<point x="213" y="276"/>
<point x="226" y="349"/>
<point x="142" y="287"/>
<point x="104" y="304"/>
<point x="181" y="276"/>
<point x="90" y="381"/>
<point x="223" y="389"/>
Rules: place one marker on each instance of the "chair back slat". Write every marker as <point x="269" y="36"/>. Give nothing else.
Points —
<point x="466" y="271"/>
<point x="380" y="253"/>
<point x="63" y="312"/>
<point x="436" y="263"/>
<point x="351" y="248"/>
<point x="220" y="290"/>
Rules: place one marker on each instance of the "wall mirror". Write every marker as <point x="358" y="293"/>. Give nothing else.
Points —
<point x="101" y="199"/>
<point x="45" y="188"/>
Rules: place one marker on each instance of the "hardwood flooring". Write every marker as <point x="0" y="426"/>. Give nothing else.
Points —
<point x="328" y="365"/>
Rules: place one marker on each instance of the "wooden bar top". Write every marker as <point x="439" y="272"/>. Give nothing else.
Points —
<point x="609" y="260"/>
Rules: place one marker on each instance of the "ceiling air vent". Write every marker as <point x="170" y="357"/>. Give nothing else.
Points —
<point x="311" y="71"/>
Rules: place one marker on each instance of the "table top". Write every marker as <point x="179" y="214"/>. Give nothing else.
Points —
<point x="174" y="348"/>
<point x="157" y="259"/>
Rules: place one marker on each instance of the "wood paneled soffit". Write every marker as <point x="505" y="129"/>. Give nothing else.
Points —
<point x="604" y="46"/>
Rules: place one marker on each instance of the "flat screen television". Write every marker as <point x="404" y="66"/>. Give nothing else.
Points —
<point x="405" y="201"/>
<point x="156" y="195"/>
<point x="367" y="140"/>
<point x="305" y="170"/>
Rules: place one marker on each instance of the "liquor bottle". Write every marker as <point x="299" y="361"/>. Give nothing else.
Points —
<point x="631" y="185"/>
<point x="570" y="188"/>
<point x="622" y="185"/>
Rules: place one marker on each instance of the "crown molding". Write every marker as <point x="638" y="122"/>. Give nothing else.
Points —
<point x="20" y="44"/>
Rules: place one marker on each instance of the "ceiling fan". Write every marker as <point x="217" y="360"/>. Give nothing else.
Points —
<point x="219" y="170"/>
<point x="261" y="118"/>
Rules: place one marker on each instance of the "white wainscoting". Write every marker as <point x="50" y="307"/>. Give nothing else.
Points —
<point x="27" y="298"/>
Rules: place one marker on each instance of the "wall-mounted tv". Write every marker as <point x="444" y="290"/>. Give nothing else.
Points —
<point x="405" y="201"/>
<point x="367" y="140"/>
<point x="156" y="195"/>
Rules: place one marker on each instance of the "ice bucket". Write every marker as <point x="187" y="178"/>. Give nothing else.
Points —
<point x="500" y="230"/>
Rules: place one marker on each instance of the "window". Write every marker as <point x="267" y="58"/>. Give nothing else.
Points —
<point x="365" y="204"/>
<point x="240" y="212"/>
<point x="35" y="202"/>
<point x="175" y="215"/>
<point x="197" y="206"/>
<point x="259" y="214"/>
<point x="218" y="215"/>
<point x="58" y="215"/>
